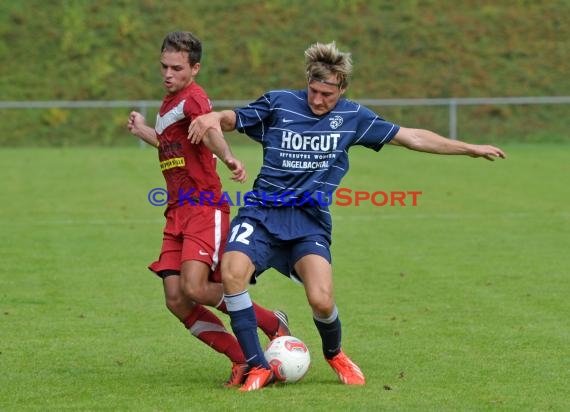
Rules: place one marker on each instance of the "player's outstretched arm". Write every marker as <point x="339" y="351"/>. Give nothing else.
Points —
<point x="214" y="140"/>
<point x="138" y="127"/>
<point x="429" y="142"/>
<point x="221" y="121"/>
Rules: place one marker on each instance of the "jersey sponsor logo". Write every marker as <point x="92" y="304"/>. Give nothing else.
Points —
<point x="336" y="122"/>
<point x="305" y="165"/>
<point x="172" y="116"/>
<point x="287" y="120"/>
<point x="172" y="163"/>
<point x="169" y="148"/>
<point x="317" y="143"/>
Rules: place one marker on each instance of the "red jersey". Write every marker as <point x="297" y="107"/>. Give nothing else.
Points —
<point x="189" y="169"/>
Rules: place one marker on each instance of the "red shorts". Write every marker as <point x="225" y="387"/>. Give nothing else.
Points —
<point x="193" y="233"/>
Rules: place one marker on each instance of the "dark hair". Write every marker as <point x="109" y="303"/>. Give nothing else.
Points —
<point x="183" y="41"/>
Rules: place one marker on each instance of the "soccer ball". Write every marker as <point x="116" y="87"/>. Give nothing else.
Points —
<point x="289" y="358"/>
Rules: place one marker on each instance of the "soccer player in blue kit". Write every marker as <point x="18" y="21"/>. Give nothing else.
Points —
<point x="285" y="222"/>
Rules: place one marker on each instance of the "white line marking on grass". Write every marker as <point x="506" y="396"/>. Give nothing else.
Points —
<point x="449" y="216"/>
<point x="80" y="222"/>
<point x="383" y="216"/>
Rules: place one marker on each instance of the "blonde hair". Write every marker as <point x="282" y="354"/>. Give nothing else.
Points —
<point x="323" y="60"/>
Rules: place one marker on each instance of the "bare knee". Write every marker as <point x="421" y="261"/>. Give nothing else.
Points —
<point x="195" y="284"/>
<point x="194" y="291"/>
<point x="232" y="277"/>
<point x="322" y="305"/>
<point x="237" y="268"/>
<point x="176" y="303"/>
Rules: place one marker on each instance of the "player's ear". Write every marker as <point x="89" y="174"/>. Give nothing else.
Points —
<point x="195" y="69"/>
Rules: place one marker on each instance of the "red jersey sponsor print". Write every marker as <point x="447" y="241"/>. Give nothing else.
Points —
<point x="186" y="167"/>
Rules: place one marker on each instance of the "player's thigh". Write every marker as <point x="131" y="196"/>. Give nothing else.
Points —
<point x="249" y="249"/>
<point x="194" y="273"/>
<point x="204" y="233"/>
<point x="171" y="285"/>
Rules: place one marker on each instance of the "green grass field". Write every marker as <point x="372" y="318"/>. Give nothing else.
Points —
<point x="460" y="303"/>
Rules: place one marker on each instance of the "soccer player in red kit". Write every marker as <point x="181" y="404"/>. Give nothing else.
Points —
<point x="195" y="230"/>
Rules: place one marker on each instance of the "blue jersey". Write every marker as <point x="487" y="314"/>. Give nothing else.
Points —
<point x="305" y="156"/>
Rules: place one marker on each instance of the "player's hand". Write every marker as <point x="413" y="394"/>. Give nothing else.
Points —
<point x="200" y="125"/>
<point x="136" y="120"/>
<point x="487" y="151"/>
<point x="237" y="168"/>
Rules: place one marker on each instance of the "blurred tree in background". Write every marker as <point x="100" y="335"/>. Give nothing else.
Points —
<point x="109" y="50"/>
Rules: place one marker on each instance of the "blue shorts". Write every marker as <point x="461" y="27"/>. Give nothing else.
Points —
<point x="277" y="238"/>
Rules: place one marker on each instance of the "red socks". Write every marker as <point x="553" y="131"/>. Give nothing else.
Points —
<point x="209" y="329"/>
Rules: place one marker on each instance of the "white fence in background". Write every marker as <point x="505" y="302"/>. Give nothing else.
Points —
<point x="452" y="103"/>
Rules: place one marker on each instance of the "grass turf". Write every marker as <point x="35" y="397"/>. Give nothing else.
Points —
<point x="458" y="303"/>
